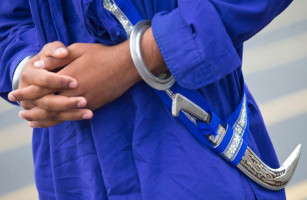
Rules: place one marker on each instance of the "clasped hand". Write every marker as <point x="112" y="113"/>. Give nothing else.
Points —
<point x="60" y="84"/>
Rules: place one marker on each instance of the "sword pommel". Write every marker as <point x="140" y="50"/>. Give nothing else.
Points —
<point x="182" y="103"/>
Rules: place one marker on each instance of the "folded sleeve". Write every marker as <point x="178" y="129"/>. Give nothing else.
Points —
<point x="18" y="39"/>
<point x="199" y="39"/>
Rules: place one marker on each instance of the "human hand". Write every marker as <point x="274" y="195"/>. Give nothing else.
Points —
<point x="37" y="87"/>
<point x="103" y="74"/>
<point x="106" y="72"/>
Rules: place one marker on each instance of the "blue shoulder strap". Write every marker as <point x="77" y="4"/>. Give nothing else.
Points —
<point x="233" y="145"/>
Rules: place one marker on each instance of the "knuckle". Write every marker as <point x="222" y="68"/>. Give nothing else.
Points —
<point x="43" y="80"/>
<point x="41" y="125"/>
<point x="45" y="104"/>
<point x="26" y="105"/>
<point x="48" y="123"/>
<point x="46" y="46"/>
<point x="24" y="76"/>
<point x="28" y="117"/>
<point x="42" y="103"/>
<point x="50" y="47"/>
<point x="57" y="44"/>
<point x="47" y="63"/>
<point x="37" y="90"/>
<point x="41" y="115"/>
<point x="19" y="95"/>
<point x="72" y="104"/>
<point x="72" y="46"/>
<point x="52" y="63"/>
<point x="63" y="83"/>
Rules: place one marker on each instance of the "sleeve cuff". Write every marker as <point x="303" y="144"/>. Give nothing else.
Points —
<point x="196" y="53"/>
<point x="18" y="71"/>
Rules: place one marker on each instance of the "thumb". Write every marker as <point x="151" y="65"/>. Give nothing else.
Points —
<point x="53" y="56"/>
<point x="54" y="49"/>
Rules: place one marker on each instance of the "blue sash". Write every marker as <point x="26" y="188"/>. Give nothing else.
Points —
<point x="233" y="145"/>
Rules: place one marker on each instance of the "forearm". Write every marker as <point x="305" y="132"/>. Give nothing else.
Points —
<point x="199" y="39"/>
<point x="151" y="54"/>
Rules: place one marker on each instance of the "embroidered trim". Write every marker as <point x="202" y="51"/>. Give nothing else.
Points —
<point x="238" y="131"/>
<point x="111" y="6"/>
<point x="239" y="126"/>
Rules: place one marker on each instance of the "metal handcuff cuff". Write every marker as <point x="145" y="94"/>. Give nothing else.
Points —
<point x="162" y="81"/>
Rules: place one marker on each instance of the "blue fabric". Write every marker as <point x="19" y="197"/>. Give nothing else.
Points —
<point x="204" y="129"/>
<point x="133" y="148"/>
<point x="17" y="40"/>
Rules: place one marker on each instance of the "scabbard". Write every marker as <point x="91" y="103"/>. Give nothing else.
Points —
<point x="227" y="137"/>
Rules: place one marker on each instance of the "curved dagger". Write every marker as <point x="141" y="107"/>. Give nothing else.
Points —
<point x="274" y="179"/>
<point x="251" y="165"/>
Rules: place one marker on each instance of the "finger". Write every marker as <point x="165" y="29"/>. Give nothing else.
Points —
<point x="74" y="115"/>
<point x="27" y="104"/>
<point x="52" y="63"/>
<point x="36" y="114"/>
<point x="48" y="79"/>
<point x="44" y="124"/>
<point x="31" y="92"/>
<point x="60" y="103"/>
<point x="55" y="49"/>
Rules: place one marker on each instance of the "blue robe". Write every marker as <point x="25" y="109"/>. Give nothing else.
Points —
<point x="133" y="148"/>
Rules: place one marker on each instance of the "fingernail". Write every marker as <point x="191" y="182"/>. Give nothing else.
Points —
<point x="81" y="104"/>
<point x="60" y="51"/>
<point x="32" y="125"/>
<point x="11" y="97"/>
<point x="86" y="116"/>
<point x="73" y="84"/>
<point x="21" y="115"/>
<point x="39" y="63"/>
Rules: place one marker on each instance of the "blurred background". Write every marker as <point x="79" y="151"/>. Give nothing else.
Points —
<point x="275" y="68"/>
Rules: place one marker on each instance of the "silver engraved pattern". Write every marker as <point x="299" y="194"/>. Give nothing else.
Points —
<point x="241" y="123"/>
<point x="273" y="179"/>
<point x="111" y="6"/>
<point x="256" y="167"/>
<point x="250" y="164"/>
<point x="238" y="131"/>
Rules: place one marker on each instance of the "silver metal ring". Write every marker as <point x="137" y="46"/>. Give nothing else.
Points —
<point x="135" y="49"/>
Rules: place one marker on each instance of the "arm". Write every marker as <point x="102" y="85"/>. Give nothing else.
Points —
<point x="108" y="69"/>
<point x="205" y="35"/>
<point x="17" y="40"/>
<point x="215" y="46"/>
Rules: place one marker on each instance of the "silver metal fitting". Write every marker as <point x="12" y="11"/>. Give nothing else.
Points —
<point x="156" y="82"/>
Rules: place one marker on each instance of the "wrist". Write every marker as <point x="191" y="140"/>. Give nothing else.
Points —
<point x="151" y="54"/>
<point x="18" y="71"/>
<point x="162" y="81"/>
<point x="128" y="70"/>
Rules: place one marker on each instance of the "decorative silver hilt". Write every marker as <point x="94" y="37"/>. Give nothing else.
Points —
<point x="251" y="165"/>
<point x="182" y="103"/>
